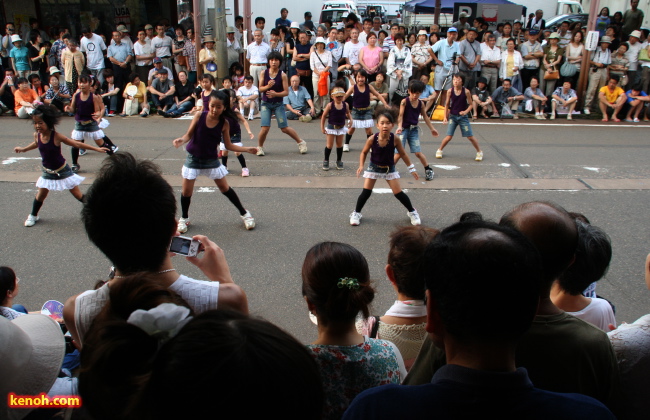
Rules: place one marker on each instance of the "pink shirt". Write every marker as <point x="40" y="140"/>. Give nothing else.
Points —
<point x="371" y="56"/>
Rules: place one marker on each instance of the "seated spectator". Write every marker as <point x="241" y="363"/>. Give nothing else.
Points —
<point x="162" y="92"/>
<point x="8" y="291"/>
<point x="535" y="98"/>
<point x="481" y="99"/>
<point x="336" y="286"/>
<point x="110" y="92"/>
<point x="237" y="75"/>
<point x="37" y="86"/>
<point x="194" y="351"/>
<point x="463" y="307"/>
<point x="636" y="103"/>
<point x="155" y="71"/>
<point x="404" y="323"/>
<point x="592" y="259"/>
<point x="248" y="95"/>
<point x="226" y="84"/>
<point x="506" y="96"/>
<point x="58" y="94"/>
<point x="298" y="103"/>
<point x="381" y="87"/>
<point x="183" y="100"/>
<point x="25" y="99"/>
<point x="7" y="89"/>
<point x="611" y="97"/>
<point x="140" y="95"/>
<point x="564" y="101"/>
<point x="632" y="347"/>
<point x="134" y="194"/>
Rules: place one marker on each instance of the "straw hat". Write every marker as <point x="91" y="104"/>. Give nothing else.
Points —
<point x="208" y="39"/>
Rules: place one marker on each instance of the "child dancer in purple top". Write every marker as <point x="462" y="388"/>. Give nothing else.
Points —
<point x="382" y="165"/>
<point x="335" y="114"/>
<point x="206" y="132"/>
<point x="57" y="175"/>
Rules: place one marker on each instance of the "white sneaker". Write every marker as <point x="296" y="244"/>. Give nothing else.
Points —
<point x="245" y="172"/>
<point x="260" y="151"/>
<point x="250" y="117"/>
<point x="415" y="217"/>
<point x="355" y="218"/>
<point x="346" y="147"/>
<point x="302" y="147"/>
<point x="182" y="225"/>
<point x="249" y="222"/>
<point x="438" y="154"/>
<point x="586" y="111"/>
<point x="479" y="156"/>
<point x="31" y="220"/>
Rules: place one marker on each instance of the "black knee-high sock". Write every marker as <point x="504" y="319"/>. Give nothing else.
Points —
<point x="224" y="160"/>
<point x="232" y="196"/>
<point x="242" y="160"/>
<point x="339" y="154"/>
<point x="363" y="197"/>
<point x="348" y="137"/>
<point x="328" y="152"/>
<point x="185" y="206"/>
<point x="405" y="200"/>
<point x="36" y="206"/>
<point x="108" y="141"/>
<point x="75" y="155"/>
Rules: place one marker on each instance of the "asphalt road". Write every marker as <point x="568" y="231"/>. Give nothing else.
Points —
<point x="598" y="169"/>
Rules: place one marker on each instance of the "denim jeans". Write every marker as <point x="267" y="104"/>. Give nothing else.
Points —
<point x="177" y="110"/>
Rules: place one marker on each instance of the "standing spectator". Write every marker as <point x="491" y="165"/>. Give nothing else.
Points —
<point x="611" y="96"/>
<point x="462" y="24"/>
<point x="302" y="55"/>
<point x="320" y="62"/>
<point x="308" y="24"/>
<point x="57" y="48"/>
<point x="336" y="49"/>
<point x="634" y="48"/>
<point x="162" y="92"/>
<point x="421" y="55"/>
<point x="19" y="57"/>
<point x="260" y="23"/>
<point x="443" y="52"/>
<point x="33" y="27"/>
<point x="553" y="55"/>
<point x="470" y="58"/>
<point x="208" y="57"/>
<point x="111" y="93"/>
<point x="163" y="46"/>
<point x="178" y="50"/>
<point x="282" y="20"/>
<point x="389" y="42"/>
<point x="614" y="33"/>
<point x="574" y="51"/>
<point x="532" y="54"/>
<point x="632" y="19"/>
<point x="506" y="95"/>
<point x="121" y="56"/>
<point x="367" y="27"/>
<point x="148" y="28"/>
<point x="298" y="102"/>
<point x="144" y="55"/>
<point x="565" y="34"/>
<point x="644" y="62"/>
<point x="564" y="99"/>
<point x="506" y="34"/>
<point x="190" y="53"/>
<point x="351" y="49"/>
<point x="371" y="57"/>
<point x="94" y="47"/>
<point x="598" y="63"/>
<point x="511" y="62"/>
<point x="537" y="22"/>
<point x="257" y="53"/>
<point x="490" y="62"/>
<point x="277" y="42"/>
<point x="603" y="21"/>
<point x="399" y="66"/>
<point x="6" y="44"/>
<point x="37" y="55"/>
<point x="183" y="100"/>
<point x="234" y="48"/>
<point x="518" y="33"/>
<point x="620" y="65"/>
<point x="73" y="63"/>
<point x="126" y="36"/>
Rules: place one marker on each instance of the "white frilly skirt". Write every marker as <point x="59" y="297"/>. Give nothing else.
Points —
<point x="212" y="173"/>
<point x="60" y="184"/>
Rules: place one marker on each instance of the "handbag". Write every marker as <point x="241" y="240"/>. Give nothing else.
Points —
<point x="131" y="107"/>
<point x="181" y="60"/>
<point x="303" y="73"/>
<point x="323" y="83"/>
<point x="568" y="69"/>
<point x="551" y="74"/>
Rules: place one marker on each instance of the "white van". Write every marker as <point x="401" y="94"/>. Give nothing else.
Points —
<point x="336" y="11"/>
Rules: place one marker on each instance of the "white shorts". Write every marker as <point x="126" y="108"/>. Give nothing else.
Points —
<point x="222" y="147"/>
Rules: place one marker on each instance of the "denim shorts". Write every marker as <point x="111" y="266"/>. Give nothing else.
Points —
<point x="374" y="171"/>
<point x="194" y="162"/>
<point x="89" y="127"/>
<point x="269" y="108"/>
<point x="64" y="173"/>
<point x="463" y="121"/>
<point x="361" y="114"/>
<point x="411" y="136"/>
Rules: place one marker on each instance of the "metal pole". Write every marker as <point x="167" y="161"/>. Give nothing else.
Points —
<point x="196" y="10"/>
<point x="220" y="32"/>
<point x="247" y="28"/>
<point x="581" y="89"/>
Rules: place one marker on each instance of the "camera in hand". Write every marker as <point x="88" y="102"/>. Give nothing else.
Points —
<point x="182" y="245"/>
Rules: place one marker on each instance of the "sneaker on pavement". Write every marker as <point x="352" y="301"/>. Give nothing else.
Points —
<point x="82" y="152"/>
<point x="636" y="120"/>
<point x="161" y="112"/>
<point x="302" y="147"/>
<point x="569" y="117"/>
<point x="260" y="151"/>
<point x="31" y="220"/>
<point x="111" y="114"/>
<point x="479" y="156"/>
<point x="182" y="224"/>
<point x="428" y="174"/>
<point x="552" y="116"/>
<point x="114" y="149"/>
<point x="346" y="147"/>
<point x="326" y="165"/>
<point x="245" y="172"/>
<point x="415" y="217"/>
<point x="75" y="168"/>
<point x="355" y="218"/>
<point x="586" y="111"/>
<point x="339" y="164"/>
<point x="249" y="222"/>
<point x="438" y="154"/>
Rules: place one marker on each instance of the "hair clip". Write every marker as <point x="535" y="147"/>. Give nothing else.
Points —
<point x="350" y="282"/>
<point x="162" y="322"/>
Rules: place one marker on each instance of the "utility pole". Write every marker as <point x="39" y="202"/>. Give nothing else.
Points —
<point x="198" y="36"/>
<point x="436" y="16"/>
<point x="220" y="32"/>
<point x="583" y="80"/>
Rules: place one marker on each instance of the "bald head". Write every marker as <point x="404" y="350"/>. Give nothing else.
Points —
<point x="553" y="232"/>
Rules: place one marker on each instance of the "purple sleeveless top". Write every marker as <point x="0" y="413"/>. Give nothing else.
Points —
<point x="383" y="156"/>
<point x="85" y="108"/>
<point x="50" y="153"/>
<point x="277" y="87"/>
<point x="458" y="103"/>
<point x="361" y="99"/>
<point x="206" y="101"/>
<point x="411" y="114"/>
<point x="337" y="116"/>
<point x="205" y="141"/>
<point x="235" y="128"/>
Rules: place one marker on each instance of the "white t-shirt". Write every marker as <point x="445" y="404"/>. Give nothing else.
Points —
<point x="599" y="313"/>
<point x="632" y="54"/>
<point x="93" y="48"/>
<point x="163" y="46"/>
<point x="146" y="49"/>
<point x="351" y="51"/>
<point x="244" y="92"/>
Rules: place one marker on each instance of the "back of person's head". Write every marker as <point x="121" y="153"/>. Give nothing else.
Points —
<point x="593" y="255"/>
<point x="550" y="228"/>
<point x="336" y="280"/>
<point x="7" y="283"/>
<point x="406" y="258"/>
<point x="219" y="358"/>
<point x="480" y="275"/>
<point x="132" y="194"/>
<point x="416" y="86"/>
